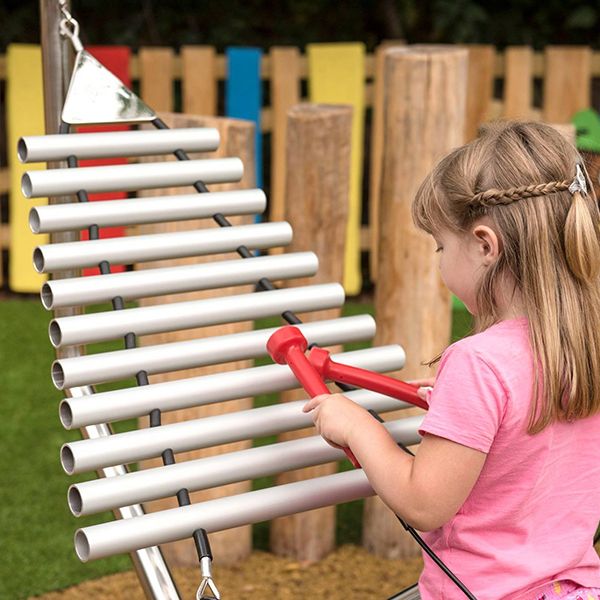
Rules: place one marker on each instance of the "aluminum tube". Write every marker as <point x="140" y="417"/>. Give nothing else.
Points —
<point x="96" y="327"/>
<point x="172" y="280"/>
<point x="174" y="524"/>
<point x="42" y="148"/>
<point x="142" y="176"/>
<point x="111" y="366"/>
<point x="142" y="486"/>
<point x="79" y="215"/>
<point x="149" y="563"/>
<point x="159" y="246"/>
<point x="207" y="389"/>
<point x="139" y="444"/>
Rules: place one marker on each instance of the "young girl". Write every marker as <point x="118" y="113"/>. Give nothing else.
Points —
<point x="506" y="480"/>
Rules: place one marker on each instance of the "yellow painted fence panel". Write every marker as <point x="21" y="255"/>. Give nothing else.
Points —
<point x="25" y="116"/>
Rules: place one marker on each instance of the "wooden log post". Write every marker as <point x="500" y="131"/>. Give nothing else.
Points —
<point x="377" y="135"/>
<point x="237" y="139"/>
<point x="425" y="100"/>
<point x="317" y="202"/>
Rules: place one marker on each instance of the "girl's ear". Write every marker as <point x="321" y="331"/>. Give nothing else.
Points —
<point x="488" y="243"/>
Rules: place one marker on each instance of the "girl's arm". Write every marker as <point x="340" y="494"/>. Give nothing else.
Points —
<point x="426" y="490"/>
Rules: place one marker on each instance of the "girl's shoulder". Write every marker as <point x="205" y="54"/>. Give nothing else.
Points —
<point x="501" y="344"/>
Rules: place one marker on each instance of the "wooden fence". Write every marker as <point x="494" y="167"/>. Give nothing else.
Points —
<point x="518" y="83"/>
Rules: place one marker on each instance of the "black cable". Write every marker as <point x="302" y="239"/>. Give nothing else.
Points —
<point x="438" y="561"/>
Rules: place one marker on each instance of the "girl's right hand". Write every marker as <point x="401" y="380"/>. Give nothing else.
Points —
<point x="425" y="385"/>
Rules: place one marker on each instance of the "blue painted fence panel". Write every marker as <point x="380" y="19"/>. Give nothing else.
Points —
<point x="243" y="93"/>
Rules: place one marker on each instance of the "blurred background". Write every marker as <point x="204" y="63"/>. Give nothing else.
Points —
<point x="298" y="22"/>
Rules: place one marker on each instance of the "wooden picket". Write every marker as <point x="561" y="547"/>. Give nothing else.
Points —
<point x="285" y="93"/>
<point x="199" y="80"/>
<point x="156" y="78"/>
<point x="518" y="83"/>
<point x="480" y="88"/>
<point x="567" y="85"/>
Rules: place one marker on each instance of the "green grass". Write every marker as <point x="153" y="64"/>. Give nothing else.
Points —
<point x="36" y="527"/>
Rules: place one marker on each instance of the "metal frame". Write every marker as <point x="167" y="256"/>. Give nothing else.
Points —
<point x="57" y="58"/>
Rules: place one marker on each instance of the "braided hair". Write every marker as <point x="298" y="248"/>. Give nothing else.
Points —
<point x="494" y="197"/>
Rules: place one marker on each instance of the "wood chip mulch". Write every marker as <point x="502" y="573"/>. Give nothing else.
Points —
<point x="349" y="572"/>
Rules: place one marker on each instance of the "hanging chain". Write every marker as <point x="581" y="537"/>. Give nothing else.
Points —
<point x="69" y="27"/>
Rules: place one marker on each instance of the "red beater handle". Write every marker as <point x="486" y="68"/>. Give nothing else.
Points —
<point x="327" y="368"/>
<point x="287" y="346"/>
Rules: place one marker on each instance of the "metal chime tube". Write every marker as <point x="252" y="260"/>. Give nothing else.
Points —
<point x="111" y="366"/>
<point x="154" y="282"/>
<point x="42" y="148"/>
<point x="195" y="434"/>
<point x="158" y="209"/>
<point x="56" y="182"/>
<point x="115" y="537"/>
<point x="143" y="248"/>
<point x="142" y="486"/>
<point x="95" y="327"/>
<point x="116" y="405"/>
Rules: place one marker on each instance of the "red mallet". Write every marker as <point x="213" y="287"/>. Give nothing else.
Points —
<point x="287" y="346"/>
<point x="329" y="369"/>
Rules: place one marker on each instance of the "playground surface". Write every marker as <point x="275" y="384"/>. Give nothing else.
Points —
<point x="349" y="572"/>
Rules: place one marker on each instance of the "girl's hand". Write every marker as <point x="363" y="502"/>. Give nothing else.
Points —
<point x="335" y="418"/>
<point x="425" y="385"/>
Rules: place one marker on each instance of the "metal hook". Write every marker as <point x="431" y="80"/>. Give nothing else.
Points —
<point x="207" y="582"/>
<point x="69" y="27"/>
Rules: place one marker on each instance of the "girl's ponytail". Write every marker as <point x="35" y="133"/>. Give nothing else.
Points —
<point x="582" y="244"/>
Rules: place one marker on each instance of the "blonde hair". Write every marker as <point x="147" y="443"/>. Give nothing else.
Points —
<point x="518" y="175"/>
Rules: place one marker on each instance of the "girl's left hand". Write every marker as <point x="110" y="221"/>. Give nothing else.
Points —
<point x="335" y="418"/>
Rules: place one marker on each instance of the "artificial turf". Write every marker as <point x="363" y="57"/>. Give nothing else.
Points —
<point x="36" y="527"/>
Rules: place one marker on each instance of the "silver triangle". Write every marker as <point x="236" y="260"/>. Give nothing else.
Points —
<point x="96" y="96"/>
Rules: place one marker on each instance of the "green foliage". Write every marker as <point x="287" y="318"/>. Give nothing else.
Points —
<point x="298" y="22"/>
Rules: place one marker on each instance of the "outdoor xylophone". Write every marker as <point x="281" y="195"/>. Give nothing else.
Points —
<point x="96" y="96"/>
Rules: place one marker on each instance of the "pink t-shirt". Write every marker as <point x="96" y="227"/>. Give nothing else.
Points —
<point x="532" y="513"/>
